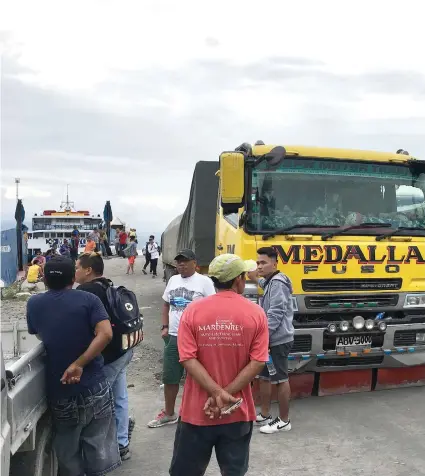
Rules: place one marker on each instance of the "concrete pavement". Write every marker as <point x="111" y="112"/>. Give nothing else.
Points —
<point x="352" y="435"/>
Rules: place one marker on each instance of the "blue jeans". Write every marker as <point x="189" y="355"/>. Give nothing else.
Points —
<point x="85" y="436"/>
<point x="116" y="373"/>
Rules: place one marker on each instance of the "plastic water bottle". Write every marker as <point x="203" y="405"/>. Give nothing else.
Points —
<point x="270" y="366"/>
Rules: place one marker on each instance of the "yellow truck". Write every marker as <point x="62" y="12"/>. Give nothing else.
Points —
<point x="349" y="230"/>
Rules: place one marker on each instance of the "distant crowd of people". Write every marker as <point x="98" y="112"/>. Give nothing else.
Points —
<point x="218" y="338"/>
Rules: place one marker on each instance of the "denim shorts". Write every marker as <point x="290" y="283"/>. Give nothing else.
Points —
<point x="279" y="354"/>
<point x="193" y="447"/>
<point x="85" y="435"/>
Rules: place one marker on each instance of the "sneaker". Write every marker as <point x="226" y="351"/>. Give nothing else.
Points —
<point x="163" y="419"/>
<point x="124" y="452"/>
<point x="262" y="420"/>
<point x="144" y="272"/>
<point x="275" y="426"/>
<point x="153" y="276"/>
<point x="131" y="425"/>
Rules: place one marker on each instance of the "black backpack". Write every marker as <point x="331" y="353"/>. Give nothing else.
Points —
<point x="126" y="319"/>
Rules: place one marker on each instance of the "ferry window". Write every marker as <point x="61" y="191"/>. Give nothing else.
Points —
<point x="67" y="235"/>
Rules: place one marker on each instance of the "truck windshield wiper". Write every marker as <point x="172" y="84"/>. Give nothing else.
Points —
<point x="280" y="231"/>
<point x="343" y="229"/>
<point x="397" y="231"/>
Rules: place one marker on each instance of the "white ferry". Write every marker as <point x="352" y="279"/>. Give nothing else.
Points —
<point x="53" y="226"/>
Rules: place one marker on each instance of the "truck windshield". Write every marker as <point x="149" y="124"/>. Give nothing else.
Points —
<point x="335" y="193"/>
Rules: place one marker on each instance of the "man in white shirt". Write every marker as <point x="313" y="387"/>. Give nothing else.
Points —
<point x="153" y="250"/>
<point x="181" y="290"/>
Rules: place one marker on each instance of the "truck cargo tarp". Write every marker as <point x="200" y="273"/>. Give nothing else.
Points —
<point x="195" y="228"/>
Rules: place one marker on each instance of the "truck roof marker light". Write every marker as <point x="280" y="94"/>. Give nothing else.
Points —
<point x="411" y="349"/>
<point x="320" y="356"/>
<point x="305" y="357"/>
<point x="388" y="351"/>
<point x="291" y="357"/>
<point x="400" y="350"/>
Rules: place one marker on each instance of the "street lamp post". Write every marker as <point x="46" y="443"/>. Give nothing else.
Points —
<point x="17" y="182"/>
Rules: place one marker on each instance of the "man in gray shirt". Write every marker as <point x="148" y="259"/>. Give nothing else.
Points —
<point x="278" y="306"/>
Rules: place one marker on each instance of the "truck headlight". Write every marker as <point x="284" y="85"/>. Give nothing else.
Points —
<point x="414" y="300"/>
<point x="358" y="322"/>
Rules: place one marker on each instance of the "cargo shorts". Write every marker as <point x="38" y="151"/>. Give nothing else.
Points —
<point x="172" y="370"/>
<point x="279" y="354"/>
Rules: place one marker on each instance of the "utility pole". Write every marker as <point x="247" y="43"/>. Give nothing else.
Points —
<point x="17" y="182"/>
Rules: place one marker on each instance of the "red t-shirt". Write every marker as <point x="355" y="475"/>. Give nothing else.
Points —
<point x="224" y="332"/>
<point x="123" y="238"/>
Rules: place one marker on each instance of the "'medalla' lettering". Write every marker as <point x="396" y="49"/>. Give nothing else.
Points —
<point x="334" y="254"/>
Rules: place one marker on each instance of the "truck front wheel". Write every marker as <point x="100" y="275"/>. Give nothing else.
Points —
<point x="46" y="463"/>
<point x="40" y="462"/>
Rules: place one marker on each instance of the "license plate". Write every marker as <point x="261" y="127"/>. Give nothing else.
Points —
<point x="362" y="341"/>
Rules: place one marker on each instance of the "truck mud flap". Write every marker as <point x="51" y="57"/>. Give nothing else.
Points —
<point x="301" y="387"/>
<point x="347" y="381"/>
<point x="400" y="377"/>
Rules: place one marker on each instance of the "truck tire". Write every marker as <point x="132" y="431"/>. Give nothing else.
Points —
<point x="169" y="271"/>
<point x="40" y="462"/>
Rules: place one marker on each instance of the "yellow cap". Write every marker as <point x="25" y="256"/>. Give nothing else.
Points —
<point x="226" y="267"/>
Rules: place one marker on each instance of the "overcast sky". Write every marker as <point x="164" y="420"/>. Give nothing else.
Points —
<point x="121" y="99"/>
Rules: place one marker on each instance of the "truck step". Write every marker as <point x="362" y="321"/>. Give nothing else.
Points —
<point x="347" y="381"/>
<point x="400" y="377"/>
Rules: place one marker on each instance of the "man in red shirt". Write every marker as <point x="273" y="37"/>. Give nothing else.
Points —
<point x="123" y="241"/>
<point x="223" y="343"/>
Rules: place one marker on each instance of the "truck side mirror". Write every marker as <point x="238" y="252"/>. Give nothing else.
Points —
<point x="232" y="181"/>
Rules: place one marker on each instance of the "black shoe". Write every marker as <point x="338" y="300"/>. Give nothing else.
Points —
<point x="144" y="272"/>
<point x="125" y="453"/>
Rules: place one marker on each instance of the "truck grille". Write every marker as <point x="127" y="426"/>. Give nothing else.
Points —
<point x="302" y="343"/>
<point x="345" y="362"/>
<point x="402" y="338"/>
<point x="361" y="284"/>
<point x="351" y="302"/>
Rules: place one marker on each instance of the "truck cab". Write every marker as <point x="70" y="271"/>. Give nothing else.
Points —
<point x="349" y="230"/>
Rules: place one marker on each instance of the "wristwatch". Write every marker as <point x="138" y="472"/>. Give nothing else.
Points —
<point x="164" y="326"/>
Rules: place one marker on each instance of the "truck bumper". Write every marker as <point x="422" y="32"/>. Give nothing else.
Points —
<point x="389" y="355"/>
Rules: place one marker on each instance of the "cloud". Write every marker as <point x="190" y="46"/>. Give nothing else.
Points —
<point x="163" y="202"/>
<point x="25" y="193"/>
<point x="126" y="116"/>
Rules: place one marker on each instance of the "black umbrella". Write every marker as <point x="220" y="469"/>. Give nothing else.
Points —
<point x="19" y="217"/>
<point x="107" y="218"/>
